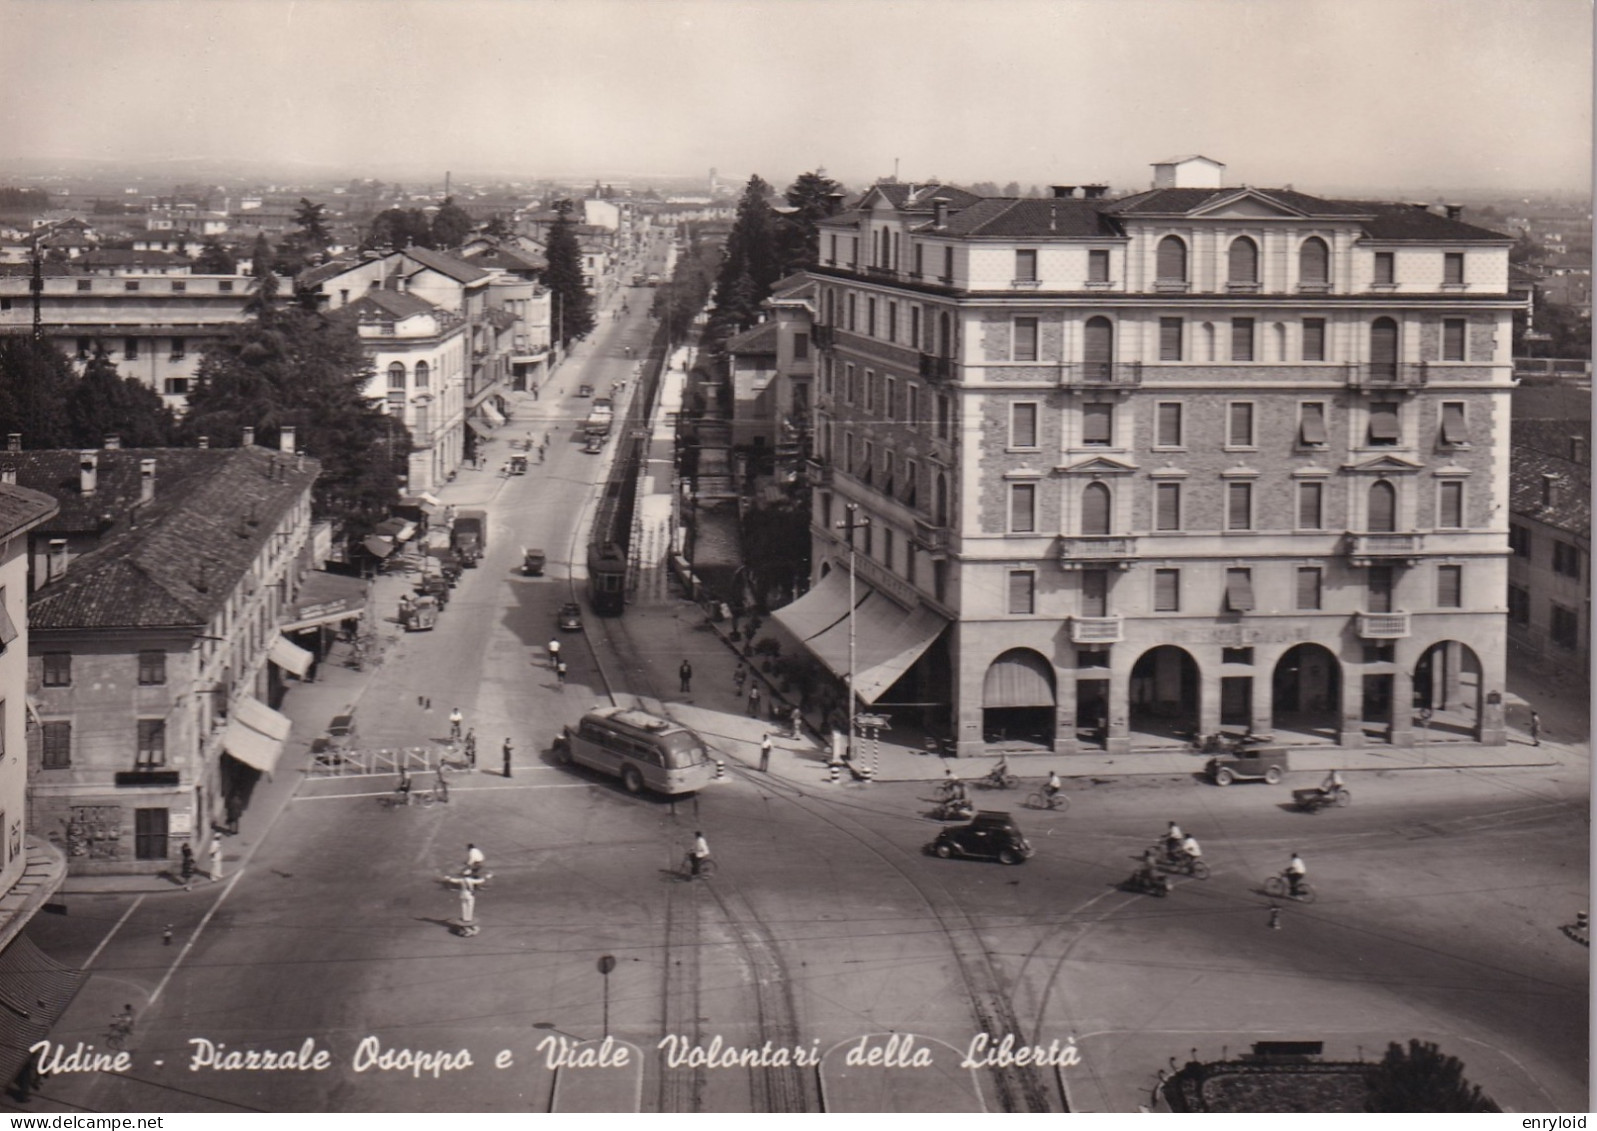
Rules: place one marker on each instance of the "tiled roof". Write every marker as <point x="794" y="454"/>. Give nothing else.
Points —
<point x="1181" y="201"/>
<point x="1012" y="216"/>
<point x="1405" y="222"/>
<point x="913" y="198"/>
<point x="756" y="339"/>
<point x="507" y="259"/>
<point x="385" y="304"/>
<point x="1571" y="506"/>
<point x="1552" y="436"/>
<point x="21" y="508"/>
<point x="446" y="264"/>
<point x="313" y="276"/>
<point x="122" y="257"/>
<point x="797" y="285"/>
<point x="174" y="560"/>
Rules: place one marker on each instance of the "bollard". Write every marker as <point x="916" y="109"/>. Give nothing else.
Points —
<point x="834" y="768"/>
<point x="1275" y="918"/>
<point x="720" y="770"/>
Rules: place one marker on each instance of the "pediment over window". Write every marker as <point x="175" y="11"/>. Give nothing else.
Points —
<point x="1246" y="204"/>
<point x="1384" y="465"/>
<point x="1097" y="465"/>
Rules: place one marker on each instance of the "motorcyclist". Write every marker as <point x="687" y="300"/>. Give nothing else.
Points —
<point x="999" y="772"/>
<point x="1332" y="783"/>
<point x="1173" y="837"/>
<point x="1295" y="871"/>
<point x="1190" y="849"/>
<point x="1147" y="875"/>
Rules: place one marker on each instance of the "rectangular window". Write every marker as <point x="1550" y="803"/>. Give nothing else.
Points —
<point x="152" y="742"/>
<point x="1455" y="431"/>
<point x="914" y="324"/>
<point x="945" y="417"/>
<point x="1453" y="339"/>
<point x="1311" y="501"/>
<point x="1519" y="540"/>
<point x="1237" y="656"/>
<point x="1450" y="505"/>
<point x="1239" y="506"/>
<point x="850" y="384"/>
<point x="911" y="483"/>
<point x="149" y="834"/>
<point x="130" y="285"/>
<point x="57" y="745"/>
<point x="890" y="398"/>
<point x="1167" y="509"/>
<point x="848" y="452"/>
<point x="870" y="317"/>
<point x="1168" y="433"/>
<point x="870" y="390"/>
<point x="852" y="311"/>
<point x="1385" y="269"/>
<point x="1022" y="508"/>
<point x="920" y="259"/>
<point x="1311" y="424"/>
<point x="1094" y="592"/>
<point x="1384" y="430"/>
<point x="179" y="286"/>
<point x="1308" y="587"/>
<point x="1170" y="339"/>
<point x="1025" y="339"/>
<point x="1098" y="265"/>
<point x="1239" y="424"/>
<point x="175" y="386"/>
<point x="85" y="285"/>
<point x="1241" y="339"/>
<point x="912" y="406"/>
<point x="1314" y="339"/>
<point x="224" y="286"/>
<point x="1453" y="268"/>
<point x="1565" y="627"/>
<point x="58" y="669"/>
<point x="1450" y="587"/>
<point x="892" y="321"/>
<point x="888" y="547"/>
<point x="948" y="264"/>
<point x="1098" y="425"/>
<point x="1378" y="589"/>
<point x="1025" y="266"/>
<point x="1239" y="590"/>
<point x="1518" y="605"/>
<point x="1022" y="592"/>
<point x="1023" y="425"/>
<point x="832" y="257"/>
<point x="1167" y="590"/>
<point x="130" y="349"/>
<point x="1566" y="559"/>
<point x="801" y="347"/>
<point x="152" y="667"/>
<point x="868" y="463"/>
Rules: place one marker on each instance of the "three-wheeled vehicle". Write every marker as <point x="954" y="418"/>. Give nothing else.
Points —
<point x="419" y="613"/>
<point x="518" y="465"/>
<point x="532" y="561"/>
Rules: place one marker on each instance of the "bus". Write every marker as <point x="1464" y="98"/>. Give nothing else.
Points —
<point x="645" y="751"/>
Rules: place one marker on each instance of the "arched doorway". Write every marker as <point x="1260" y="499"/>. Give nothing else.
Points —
<point x="1448" y="684"/>
<point x="1018" y="699"/>
<point x="1307" y="691"/>
<point x="1164" y="692"/>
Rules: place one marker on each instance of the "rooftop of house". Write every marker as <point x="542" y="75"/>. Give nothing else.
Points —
<point x="22" y="508"/>
<point x="385" y="305"/>
<point x="169" y="561"/>
<point x="1550" y="474"/>
<point x="445" y="264"/>
<point x="760" y="339"/>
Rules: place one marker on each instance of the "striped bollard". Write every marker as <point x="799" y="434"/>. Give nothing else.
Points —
<point x="720" y="770"/>
<point x="835" y="767"/>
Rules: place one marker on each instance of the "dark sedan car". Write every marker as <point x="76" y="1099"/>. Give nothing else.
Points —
<point x="992" y="835"/>
<point x="571" y="618"/>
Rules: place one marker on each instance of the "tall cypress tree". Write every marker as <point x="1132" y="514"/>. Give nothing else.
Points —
<point x="573" y="304"/>
<point x="751" y="264"/>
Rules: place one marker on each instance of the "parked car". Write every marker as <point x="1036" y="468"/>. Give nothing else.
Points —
<point x="1267" y="763"/>
<point x="571" y="618"/>
<point x="991" y="835"/>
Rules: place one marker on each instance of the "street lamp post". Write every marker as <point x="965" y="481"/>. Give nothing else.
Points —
<point x="851" y="524"/>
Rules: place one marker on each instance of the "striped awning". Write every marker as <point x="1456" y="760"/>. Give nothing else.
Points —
<point x="35" y="991"/>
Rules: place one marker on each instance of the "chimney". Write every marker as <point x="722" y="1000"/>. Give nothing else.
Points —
<point x="13" y="441"/>
<point x="203" y="443"/>
<point x="1454" y="211"/>
<point x="249" y="438"/>
<point x="146" y="480"/>
<point x="1549" y="489"/>
<point x="8" y="473"/>
<point x="1064" y="192"/>
<point x="285" y="438"/>
<point x="1577" y="449"/>
<point x="1420" y="205"/>
<point x="1094" y="192"/>
<point x="88" y="471"/>
<point x="113" y="443"/>
<point x="939" y="213"/>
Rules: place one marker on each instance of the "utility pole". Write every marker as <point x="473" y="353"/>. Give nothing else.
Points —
<point x="851" y="524"/>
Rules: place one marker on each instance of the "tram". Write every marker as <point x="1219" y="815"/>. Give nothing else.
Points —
<point x="607" y="578"/>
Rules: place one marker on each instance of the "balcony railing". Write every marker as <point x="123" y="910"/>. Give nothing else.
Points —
<point x="935" y="368"/>
<point x="1386" y="375"/>
<point x="881" y="272"/>
<point x="1096" y="550"/>
<point x="931" y="538"/>
<point x="1101" y="374"/>
<point x="1095" y="630"/>
<point x="1383" y="549"/>
<point x="823" y="337"/>
<point x="1382" y="626"/>
<point x="818" y="472"/>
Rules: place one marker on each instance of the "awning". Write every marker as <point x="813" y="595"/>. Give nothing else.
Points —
<point x="255" y="734"/>
<point x="399" y="529"/>
<point x="425" y="502"/>
<point x="35" y="991"/>
<point x="1239" y="591"/>
<point x="1020" y="678"/>
<point x="887" y="640"/>
<point x="8" y="631"/>
<point x="491" y="413"/>
<point x="480" y="429"/>
<point x="820" y="608"/>
<point x="378" y="547"/>
<point x="1383" y="426"/>
<point x="325" y="598"/>
<point x="290" y="656"/>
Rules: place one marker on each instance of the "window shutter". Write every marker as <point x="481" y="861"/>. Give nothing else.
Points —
<point x="1383" y="424"/>
<point x="1239" y="590"/>
<point x="1314" y="339"/>
<point x="1095" y="509"/>
<point x="1383" y="348"/>
<point x="1453" y="429"/>
<point x="1314" y="264"/>
<point x="1097" y="423"/>
<point x="1380" y="589"/>
<point x="1385" y="267"/>
<point x="1383" y="508"/>
<point x="1309" y="499"/>
<point x="1453" y="268"/>
<point x="1097" y="266"/>
<point x="1172" y="266"/>
<point x="1452" y="505"/>
<point x="1095" y="593"/>
<point x="1241" y="426"/>
<point x="1025" y="426"/>
<point x="1453" y="339"/>
<point x="1099" y="347"/>
<point x="1023" y="508"/>
<point x="1025" y="339"/>
<point x="1311" y="429"/>
<point x="1308" y="588"/>
<point x="1241" y="339"/>
<point x="1169" y="507"/>
<point x="1244" y="261"/>
<point x="1022" y="585"/>
<point x="1170" y="425"/>
<point x="1450" y="586"/>
<point x="1239" y="499"/>
<point x="1169" y="339"/>
<point x="1166" y="590"/>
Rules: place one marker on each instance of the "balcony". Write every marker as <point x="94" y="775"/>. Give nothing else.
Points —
<point x="935" y="368"/>
<point x="1101" y="375"/>
<point x="1377" y="376"/>
<point x="931" y="538"/>
<point x="1095" y="630"/>
<point x="823" y="337"/>
<point x="1382" y="626"/>
<point x="1383" y="549"/>
<point x="1096" y="551"/>
<point x="881" y="272"/>
<point x="818" y="472"/>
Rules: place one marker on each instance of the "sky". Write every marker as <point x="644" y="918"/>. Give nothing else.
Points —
<point x="1320" y="94"/>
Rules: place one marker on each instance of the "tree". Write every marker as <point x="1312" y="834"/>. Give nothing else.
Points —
<point x="263" y="262"/>
<point x="35" y="379"/>
<point x="1421" y="1078"/>
<point x="311" y="219"/>
<point x="815" y="196"/>
<point x="214" y="259"/>
<point x="303" y="368"/>
<point x="104" y="403"/>
<point x="499" y="227"/>
<point x="572" y="302"/>
<point x="751" y="264"/>
<point x="451" y="225"/>
<point x="395" y="229"/>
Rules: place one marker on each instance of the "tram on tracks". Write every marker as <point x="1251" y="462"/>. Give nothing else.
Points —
<point x="607" y="578"/>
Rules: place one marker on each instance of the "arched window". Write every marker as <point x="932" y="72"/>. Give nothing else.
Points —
<point x="423" y="374"/>
<point x="1382" y="518"/>
<point x="1383" y="349"/>
<point x="1098" y="351"/>
<point x="1095" y="509"/>
<point x="1314" y="262"/>
<point x="396" y="375"/>
<point x="1244" y="261"/>
<point x="1172" y="265"/>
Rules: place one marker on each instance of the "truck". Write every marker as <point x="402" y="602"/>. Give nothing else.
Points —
<point x="599" y="420"/>
<point x="469" y="536"/>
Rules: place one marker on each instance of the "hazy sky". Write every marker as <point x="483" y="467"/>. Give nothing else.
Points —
<point x="1324" y="94"/>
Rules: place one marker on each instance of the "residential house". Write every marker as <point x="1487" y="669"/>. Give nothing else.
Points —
<point x="1549" y="532"/>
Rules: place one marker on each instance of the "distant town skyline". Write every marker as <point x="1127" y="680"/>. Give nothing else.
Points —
<point x="1329" y="95"/>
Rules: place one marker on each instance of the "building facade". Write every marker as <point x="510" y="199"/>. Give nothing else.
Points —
<point x="1549" y="574"/>
<point x="1143" y="467"/>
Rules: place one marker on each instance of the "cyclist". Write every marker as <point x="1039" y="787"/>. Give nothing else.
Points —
<point x="952" y="786"/>
<point x="1173" y="836"/>
<point x="999" y="772"/>
<point x="1052" y="787"/>
<point x="699" y="853"/>
<point x="1147" y="874"/>
<point x="554" y="652"/>
<point x="455" y="721"/>
<point x="121" y="1026"/>
<point x="1295" y="871"/>
<point x="1190" y="849"/>
<point x="402" y="789"/>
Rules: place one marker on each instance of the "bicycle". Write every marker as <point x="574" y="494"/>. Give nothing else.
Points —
<point x="948" y="790"/>
<point x="707" y="867"/>
<point x="1040" y="799"/>
<point x="1280" y="887"/>
<point x="426" y="798"/>
<point x="1194" y="866"/>
<point x="121" y="1029"/>
<point x="998" y="778"/>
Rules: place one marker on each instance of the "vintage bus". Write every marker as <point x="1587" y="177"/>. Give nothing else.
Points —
<point x="645" y="751"/>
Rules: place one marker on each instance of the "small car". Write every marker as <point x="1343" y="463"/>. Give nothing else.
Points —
<point x="584" y="390"/>
<point x="991" y="835"/>
<point x="1269" y="763"/>
<point x="571" y="618"/>
<point x="341" y="731"/>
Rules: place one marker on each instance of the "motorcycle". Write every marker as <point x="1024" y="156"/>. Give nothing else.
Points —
<point x="998" y="777"/>
<point x="1149" y="882"/>
<point x="1313" y="800"/>
<point x="1179" y="861"/>
<point x="954" y="809"/>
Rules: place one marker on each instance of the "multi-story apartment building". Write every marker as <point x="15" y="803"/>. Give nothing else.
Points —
<point x="1549" y="532"/>
<point x="155" y="650"/>
<point x="1142" y="466"/>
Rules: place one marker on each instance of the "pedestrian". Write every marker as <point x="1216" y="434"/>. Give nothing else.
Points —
<point x="188" y="863"/>
<point x="455" y="721"/>
<point x="471" y="749"/>
<point x="508" y="749"/>
<point x="741" y="676"/>
<point x="560" y="673"/>
<point x="797" y="719"/>
<point x="403" y="788"/>
<point x="1535" y="729"/>
<point x="468" y="900"/>
<point x="216" y="856"/>
<point x="540" y="453"/>
<point x="765" y="753"/>
<point x="685" y="674"/>
<point x="754" y="701"/>
<point x="235" y="810"/>
<point x="554" y="652"/>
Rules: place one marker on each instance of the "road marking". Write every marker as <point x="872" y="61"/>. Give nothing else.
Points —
<point x="194" y="937"/>
<point x="114" y="929"/>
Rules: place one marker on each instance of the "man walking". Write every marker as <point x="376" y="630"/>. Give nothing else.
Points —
<point x="1535" y="729"/>
<point x="765" y="753"/>
<point x="685" y="675"/>
<point x="754" y="701"/>
<point x="216" y="856"/>
<point x="471" y="749"/>
<point x="455" y="721"/>
<point x="797" y="720"/>
<point x="507" y="752"/>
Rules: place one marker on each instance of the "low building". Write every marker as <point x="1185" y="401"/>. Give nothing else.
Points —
<point x="155" y="655"/>
<point x="1549" y="574"/>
